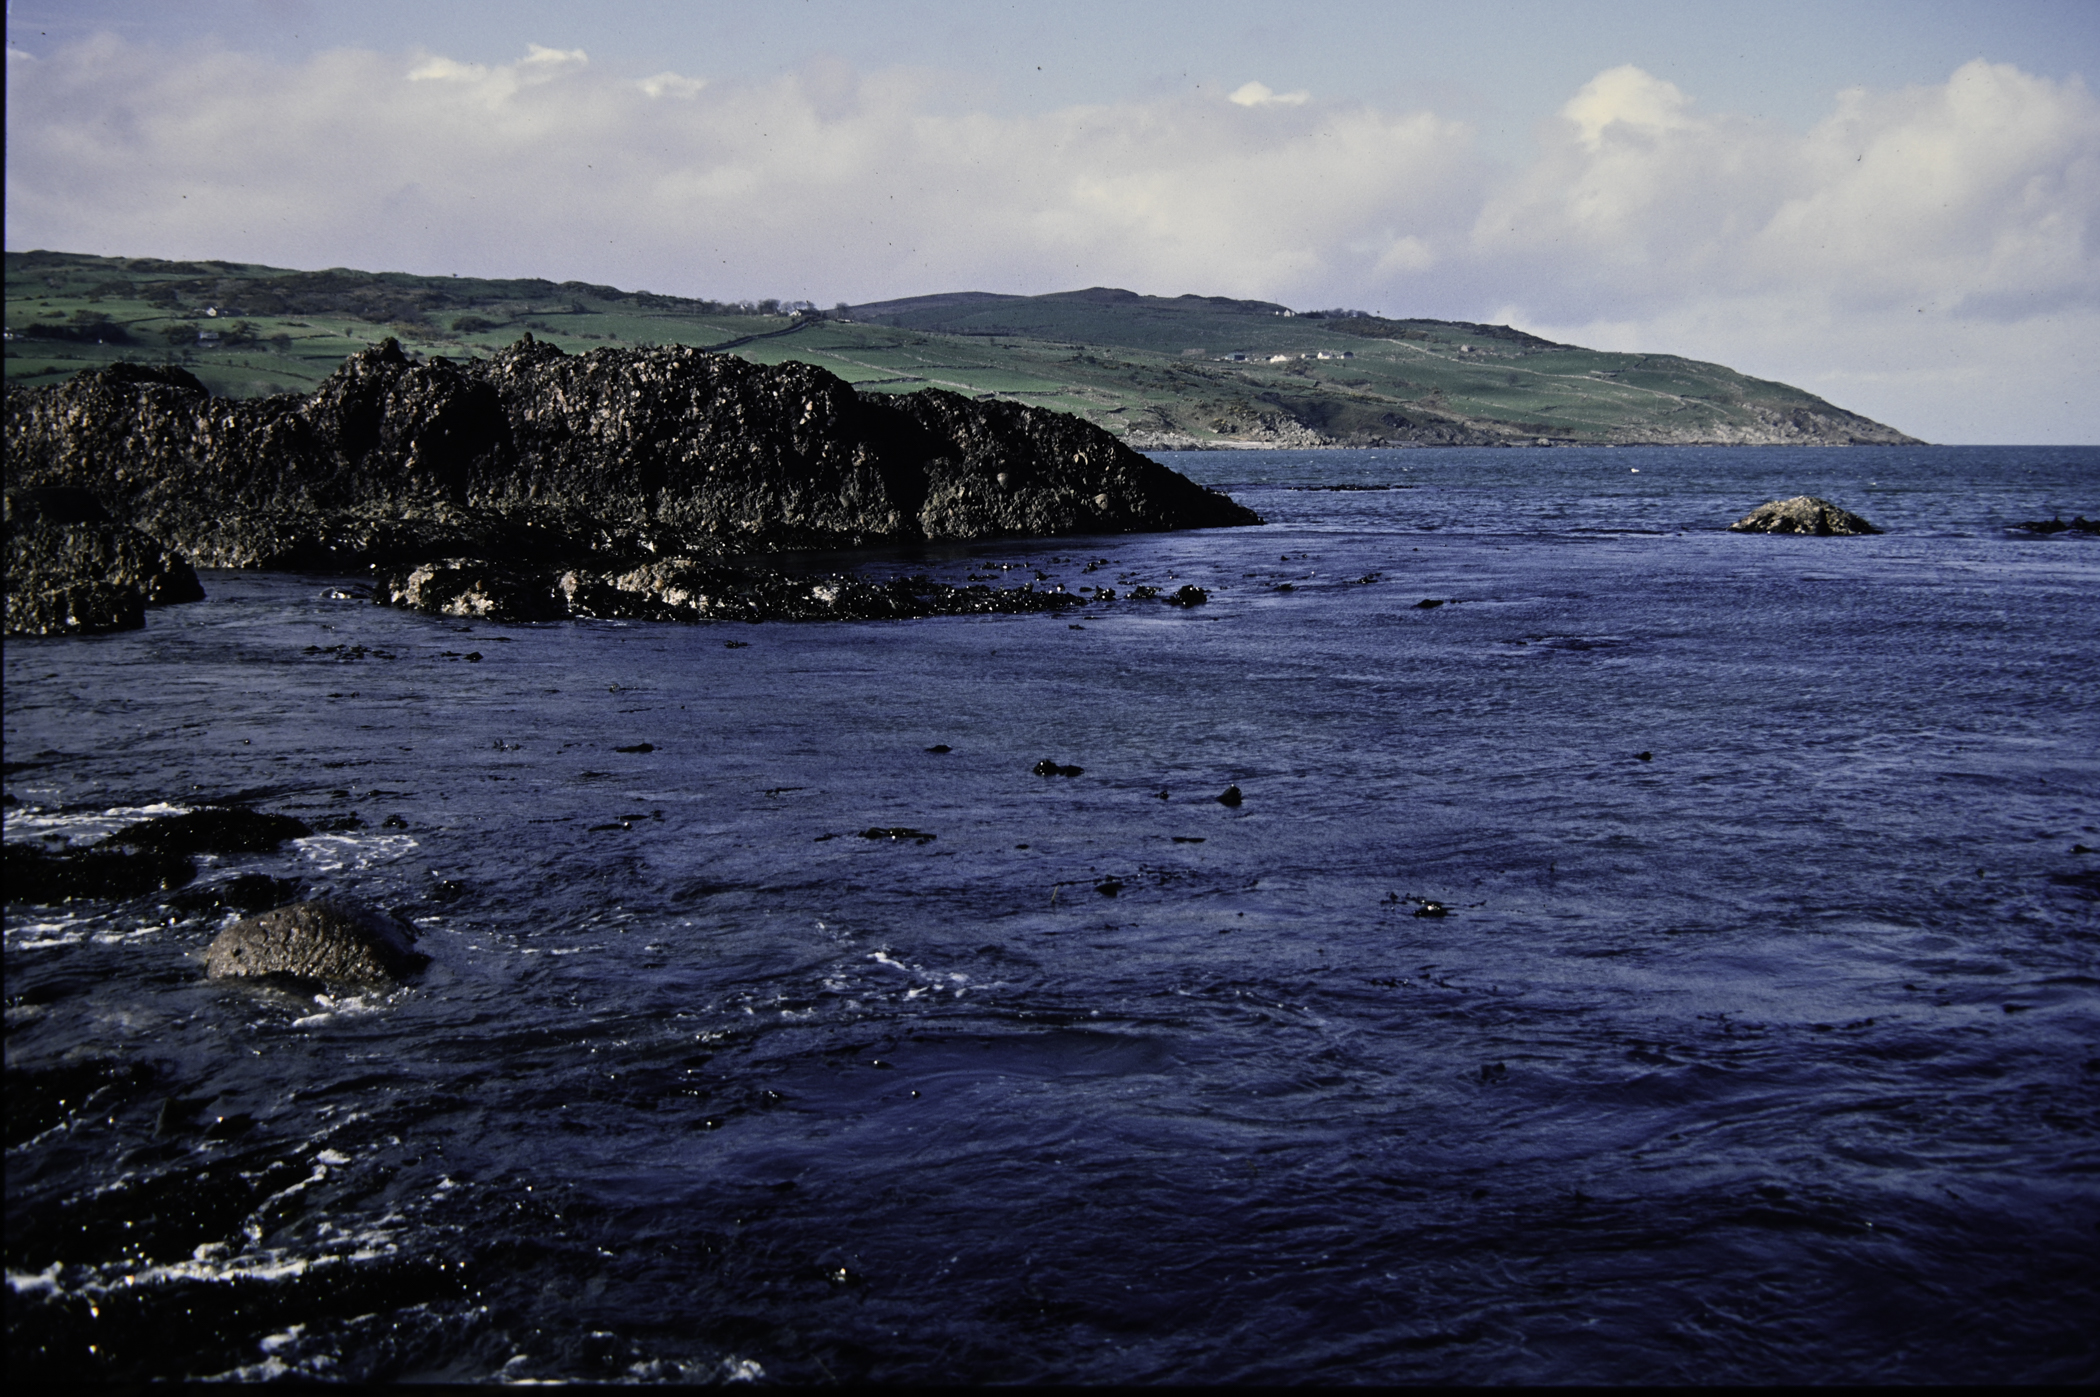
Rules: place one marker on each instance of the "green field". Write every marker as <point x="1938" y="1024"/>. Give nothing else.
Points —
<point x="1159" y="371"/>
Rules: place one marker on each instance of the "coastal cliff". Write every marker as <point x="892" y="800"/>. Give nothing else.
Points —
<point x="547" y="465"/>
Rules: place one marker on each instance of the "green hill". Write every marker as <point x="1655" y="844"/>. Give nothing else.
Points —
<point x="1159" y="371"/>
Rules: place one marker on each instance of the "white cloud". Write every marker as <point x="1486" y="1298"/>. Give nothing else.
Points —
<point x="1255" y="94"/>
<point x="1912" y="250"/>
<point x="1629" y="98"/>
<point x="669" y="84"/>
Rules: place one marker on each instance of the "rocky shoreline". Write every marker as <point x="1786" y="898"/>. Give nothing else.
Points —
<point x="543" y="484"/>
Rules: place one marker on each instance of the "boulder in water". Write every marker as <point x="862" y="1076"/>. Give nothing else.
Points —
<point x="338" y="942"/>
<point x="1803" y="514"/>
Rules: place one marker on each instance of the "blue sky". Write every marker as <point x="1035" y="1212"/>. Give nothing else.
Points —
<point x="1894" y="205"/>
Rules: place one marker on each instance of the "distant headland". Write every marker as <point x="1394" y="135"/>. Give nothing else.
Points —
<point x="1182" y="372"/>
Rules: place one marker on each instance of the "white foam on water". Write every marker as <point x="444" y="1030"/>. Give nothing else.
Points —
<point x="83" y="826"/>
<point x="335" y="853"/>
<point x="333" y="1007"/>
<point x="66" y="929"/>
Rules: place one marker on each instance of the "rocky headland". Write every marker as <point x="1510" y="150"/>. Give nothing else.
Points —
<point x="537" y="484"/>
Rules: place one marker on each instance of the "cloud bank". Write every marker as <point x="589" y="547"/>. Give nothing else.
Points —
<point x="1925" y="256"/>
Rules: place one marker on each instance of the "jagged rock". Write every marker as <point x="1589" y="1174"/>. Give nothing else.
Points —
<point x="323" y="940"/>
<point x="1803" y="514"/>
<point x="40" y="875"/>
<point x="538" y="459"/>
<point x="71" y="570"/>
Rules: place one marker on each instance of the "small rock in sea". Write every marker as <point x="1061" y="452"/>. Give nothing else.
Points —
<point x="41" y="876"/>
<point x="736" y="645"/>
<point x="226" y="829"/>
<point x="1644" y="756"/>
<point x="1189" y="596"/>
<point x="940" y="747"/>
<point x="1231" y="797"/>
<point x="472" y="657"/>
<point x="1143" y="593"/>
<point x="1432" y="909"/>
<point x="896" y="832"/>
<point x="638" y="747"/>
<point x="1495" y="1072"/>
<point x="1428" y="604"/>
<point x="1803" y="514"/>
<point x="1188" y="839"/>
<point x="1109" y="887"/>
<point x="393" y="822"/>
<point x="1162" y="795"/>
<point x="1046" y="767"/>
<point x="323" y="940"/>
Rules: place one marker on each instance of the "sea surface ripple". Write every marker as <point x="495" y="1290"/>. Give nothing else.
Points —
<point x="1757" y="1040"/>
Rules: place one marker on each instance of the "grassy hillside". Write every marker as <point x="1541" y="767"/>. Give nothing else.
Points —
<point x="1185" y="371"/>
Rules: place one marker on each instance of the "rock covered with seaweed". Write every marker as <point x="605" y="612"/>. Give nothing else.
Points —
<point x="72" y="570"/>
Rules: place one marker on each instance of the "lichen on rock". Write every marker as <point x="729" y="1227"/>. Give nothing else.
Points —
<point x="326" y="940"/>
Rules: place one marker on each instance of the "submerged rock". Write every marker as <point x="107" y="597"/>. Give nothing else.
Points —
<point x="71" y="570"/>
<point x="41" y="875"/>
<point x="690" y="589"/>
<point x="2079" y="524"/>
<point x="1803" y="514"/>
<point x="323" y="940"/>
<point x="249" y="892"/>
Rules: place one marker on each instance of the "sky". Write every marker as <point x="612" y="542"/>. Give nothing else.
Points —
<point x="1893" y="205"/>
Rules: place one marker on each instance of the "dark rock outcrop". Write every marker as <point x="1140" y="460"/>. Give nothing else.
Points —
<point x="72" y="570"/>
<point x="1803" y="514"/>
<point x="225" y="829"/>
<point x="334" y="942"/>
<point x="535" y="459"/>
<point x="2079" y="525"/>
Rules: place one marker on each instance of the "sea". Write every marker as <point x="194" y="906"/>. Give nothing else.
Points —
<point x="1515" y="930"/>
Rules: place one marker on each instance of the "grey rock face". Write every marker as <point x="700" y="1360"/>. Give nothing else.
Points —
<point x="1803" y="514"/>
<point x="336" y="942"/>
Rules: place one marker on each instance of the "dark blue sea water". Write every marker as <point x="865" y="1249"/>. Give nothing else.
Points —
<point x="1759" y="1041"/>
